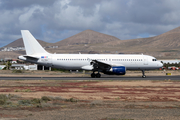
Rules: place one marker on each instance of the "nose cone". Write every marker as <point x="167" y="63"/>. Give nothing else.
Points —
<point x="160" y="64"/>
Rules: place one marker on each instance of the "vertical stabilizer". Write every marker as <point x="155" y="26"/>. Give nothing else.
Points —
<point x="32" y="46"/>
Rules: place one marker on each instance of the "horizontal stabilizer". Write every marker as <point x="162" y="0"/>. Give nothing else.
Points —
<point x="30" y="57"/>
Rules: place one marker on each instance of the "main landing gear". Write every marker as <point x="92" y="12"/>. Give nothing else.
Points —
<point x="97" y="75"/>
<point x="143" y="76"/>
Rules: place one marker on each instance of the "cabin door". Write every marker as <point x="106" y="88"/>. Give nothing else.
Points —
<point x="145" y="60"/>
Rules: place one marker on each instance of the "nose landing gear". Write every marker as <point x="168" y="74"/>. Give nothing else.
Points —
<point x="143" y="76"/>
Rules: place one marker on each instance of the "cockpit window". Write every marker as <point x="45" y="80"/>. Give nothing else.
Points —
<point x="154" y="60"/>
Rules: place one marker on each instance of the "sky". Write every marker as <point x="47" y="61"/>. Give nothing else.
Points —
<point x="55" y="20"/>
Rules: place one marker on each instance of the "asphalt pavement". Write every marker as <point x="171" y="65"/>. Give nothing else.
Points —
<point x="104" y="77"/>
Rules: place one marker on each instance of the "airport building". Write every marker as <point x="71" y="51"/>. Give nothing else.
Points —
<point x="29" y="67"/>
<point x="170" y="61"/>
<point x="23" y="67"/>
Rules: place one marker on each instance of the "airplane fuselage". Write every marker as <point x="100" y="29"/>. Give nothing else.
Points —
<point x="77" y="61"/>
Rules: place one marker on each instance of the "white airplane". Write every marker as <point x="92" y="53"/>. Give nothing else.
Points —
<point x="111" y="64"/>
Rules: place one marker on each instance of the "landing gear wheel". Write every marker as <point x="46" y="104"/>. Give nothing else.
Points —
<point x="93" y="75"/>
<point x="143" y="76"/>
<point x="98" y="75"/>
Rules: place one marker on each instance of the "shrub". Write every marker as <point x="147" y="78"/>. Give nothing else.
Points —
<point x="36" y="101"/>
<point x="17" y="90"/>
<point x="71" y="100"/>
<point x="24" y="102"/>
<point x="3" y="99"/>
<point x="25" y="90"/>
<point x="18" y="71"/>
<point x="2" y="96"/>
<point x="45" y="98"/>
<point x="38" y="106"/>
<point x="2" y="102"/>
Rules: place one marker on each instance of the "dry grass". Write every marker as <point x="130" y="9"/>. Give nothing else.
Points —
<point x="53" y="98"/>
<point x="95" y="90"/>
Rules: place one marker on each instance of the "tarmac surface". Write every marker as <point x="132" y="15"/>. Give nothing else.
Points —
<point x="104" y="77"/>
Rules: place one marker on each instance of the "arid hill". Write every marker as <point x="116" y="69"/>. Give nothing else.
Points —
<point x="168" y="40"/>
<point x="87" y="37"/>
<point x="19" y="43"/>
<point x="166" y="45"/>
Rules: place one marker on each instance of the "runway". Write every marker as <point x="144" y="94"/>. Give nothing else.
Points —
<point x="104" y="77"/>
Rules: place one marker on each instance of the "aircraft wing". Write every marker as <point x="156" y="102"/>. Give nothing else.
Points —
<point x="102" y="66"/>
<point x="98" y="65"/>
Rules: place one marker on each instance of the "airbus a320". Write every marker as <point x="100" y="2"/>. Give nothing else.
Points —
<point x="111" y="64"/>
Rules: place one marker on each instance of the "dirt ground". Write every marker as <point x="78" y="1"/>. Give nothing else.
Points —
<point x="90" y="100"/>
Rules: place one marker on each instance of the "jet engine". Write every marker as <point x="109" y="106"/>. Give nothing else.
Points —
<point x="117" y="70"/>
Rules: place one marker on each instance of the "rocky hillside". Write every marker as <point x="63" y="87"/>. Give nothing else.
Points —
<point x="87" y="37"/>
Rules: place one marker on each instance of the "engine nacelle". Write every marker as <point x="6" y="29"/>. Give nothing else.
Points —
<point x="117" y="70"/>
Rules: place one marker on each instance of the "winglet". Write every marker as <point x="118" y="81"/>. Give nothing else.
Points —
<point x="32" y="46"/>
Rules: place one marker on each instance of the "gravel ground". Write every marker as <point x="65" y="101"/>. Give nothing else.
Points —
<point x="100" y="114"/>
<point x="126" y="100"/>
